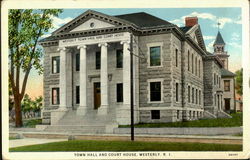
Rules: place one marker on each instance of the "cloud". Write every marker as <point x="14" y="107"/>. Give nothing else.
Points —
<point x="58" y="22"/>
<point x="208" y="37"/>
<point x="234" y="44"/>
<point x="235" y="37"/>
<point x="208" y="16"/>
<point x="210" y="47"/>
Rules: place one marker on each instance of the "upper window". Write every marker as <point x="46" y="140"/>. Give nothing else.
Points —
<point x="56" y="64"/>
<point x="119" y="57"/>
<point x="227" y="85"/>
<point x="196" y="66"/>
<point x="192" y="63"/>
<point x="77" y="62"/>
<point x="155" y="91"/>
<point x="155" y="56"/>
<point x="55" y="96"/>
<point x="119" y="92"/>
<point x="176" y="57"/>
<point x="97" y="60"/>
<point x="199" y="67"/>
<point x="188" y="61"/>
<point x="188" y="94"/>
<point x="192" y="95"/>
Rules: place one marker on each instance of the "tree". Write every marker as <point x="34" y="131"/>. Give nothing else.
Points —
<point x="26" y="26"/>
<point x="239" y="80"/>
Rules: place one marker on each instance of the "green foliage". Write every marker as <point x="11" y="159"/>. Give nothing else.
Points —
<point x="26" y="26"/>
<point x="239" y="81"/>
<point x="31" y="105"/>
<point x="236" y="120"/>
<point x="87" y="145"/>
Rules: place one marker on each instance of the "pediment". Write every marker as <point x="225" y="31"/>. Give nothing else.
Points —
<point x="91" y="20"/>
<point x="92" y="23"/>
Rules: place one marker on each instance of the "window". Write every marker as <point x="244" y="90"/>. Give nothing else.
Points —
<point x="192" y="95"/>
<point x="199" y="68"/>
<point x="192" y="63"/>
<point x="55" y="96"/>
<point x="196" y="96"/>
<point x="223" y="62"/>
<point x="196" y="66"/>
<point x="176" y="57"/>
<point x="215" y="100"/>
<point x="56" y="64"/>
<point x="188" y="61"/>
<point x="155" y="56"/>
<point x="188" y="94"/>
<point x="77" y="94"/>
<point x="176" y="92"/>
<point x="119" y="92"/>
<point x="119" y="58"/>
<point x="219" y="82"/>
<point x="77" y="62"/>
<point x="178" y="114"/>
<point x="199" y="97"/>
<point x="155" y="91"/>
<point x="214" y="79"/>
<point x="97" y="60"/>
<point x="155" y="114"/>
<point x="226" y="85"/>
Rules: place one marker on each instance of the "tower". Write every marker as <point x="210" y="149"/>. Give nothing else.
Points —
<point x="219" y="50"/>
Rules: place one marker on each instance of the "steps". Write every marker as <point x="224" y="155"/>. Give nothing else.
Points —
<point x="89" y="123"/>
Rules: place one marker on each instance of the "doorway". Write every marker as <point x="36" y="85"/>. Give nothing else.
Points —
<point x="97" y="95"/>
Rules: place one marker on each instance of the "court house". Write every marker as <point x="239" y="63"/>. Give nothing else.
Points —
<point x="87" y="72"/>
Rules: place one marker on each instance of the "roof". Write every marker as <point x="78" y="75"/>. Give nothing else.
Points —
<point x="185" y="29"/>
<point x="142" y="19"/>
<point x="219" y="39"/>
<point x="226" y="73"/>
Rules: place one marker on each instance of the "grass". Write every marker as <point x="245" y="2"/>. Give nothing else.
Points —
<point x="31" y="123"/>
<point x="238" y="135"/>
<point x="13" y="138"/>
<point x="92" y="145"/>
<point x="235" y="121"/>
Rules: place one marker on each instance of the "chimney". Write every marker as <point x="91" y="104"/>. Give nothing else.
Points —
<point x="191" y="21"/>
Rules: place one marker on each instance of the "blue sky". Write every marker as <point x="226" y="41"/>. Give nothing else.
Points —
<point x="230" y="28"/>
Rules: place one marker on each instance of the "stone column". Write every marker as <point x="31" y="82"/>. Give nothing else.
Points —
<point x="126" y="75"/>
<point x="104" y="79"/>
<point x="82" y="109"/>
<point x="63" y="79"/>
<point x="123" y="114"/>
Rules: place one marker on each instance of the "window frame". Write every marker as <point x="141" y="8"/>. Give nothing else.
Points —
<point x="96" y="67"/>
<point x="57" y="64"/>
<point x="122" y="98"/>
<point x="121" y="58"/>
<point x="150" y="45"/>
<point x="229" y="87"/>
<point x="159" y="114"/>
<point x="77" y="95"/>
<point x="149" y="90"/>
<point x="77" y="62"/>
<point x="58" y="95"/>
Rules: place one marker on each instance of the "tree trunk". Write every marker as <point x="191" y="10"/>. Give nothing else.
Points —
<point x="18" y="112"/>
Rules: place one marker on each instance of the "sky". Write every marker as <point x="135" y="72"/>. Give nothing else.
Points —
<point x="230" y="28"/>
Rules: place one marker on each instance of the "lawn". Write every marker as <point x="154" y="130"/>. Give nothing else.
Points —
<point x="93" y="145"/>
<point x="235" y="121"/>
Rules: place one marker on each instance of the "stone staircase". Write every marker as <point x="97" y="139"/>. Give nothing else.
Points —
<point x="91" y="123"/>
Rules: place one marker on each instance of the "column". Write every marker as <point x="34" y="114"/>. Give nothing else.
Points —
<point x="63" y="79"/>
<point x="123" y="113"/>
<point x="104" y="79"/>
<point x="82" y="109"/>
<point x="126" y="74"/>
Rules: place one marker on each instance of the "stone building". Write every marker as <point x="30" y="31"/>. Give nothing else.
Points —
<point x="87" y="72"/>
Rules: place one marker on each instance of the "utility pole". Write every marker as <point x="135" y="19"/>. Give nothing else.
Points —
<point x="131" y="87"/>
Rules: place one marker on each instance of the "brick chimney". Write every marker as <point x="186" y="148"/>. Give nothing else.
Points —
<point x="191" y="21"/>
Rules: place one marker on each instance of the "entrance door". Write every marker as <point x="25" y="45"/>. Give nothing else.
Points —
<point x="97" y="95"/>
<point x="227" y="104"/>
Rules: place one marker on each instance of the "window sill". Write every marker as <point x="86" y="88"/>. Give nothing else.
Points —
<point x="155" y="66"/>
<point x="155" y="101"/>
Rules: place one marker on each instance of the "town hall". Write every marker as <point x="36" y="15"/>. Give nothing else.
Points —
<point x="87" y="72"/>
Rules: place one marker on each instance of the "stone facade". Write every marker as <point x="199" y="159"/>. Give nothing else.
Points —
<point x="185" y="72"/>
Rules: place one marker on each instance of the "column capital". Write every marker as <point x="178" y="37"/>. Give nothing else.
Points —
<point x="61" y="48"/>
<point x="125" y="42"/>
<point x="81" y="46"/>
<point x="102" y="44"/>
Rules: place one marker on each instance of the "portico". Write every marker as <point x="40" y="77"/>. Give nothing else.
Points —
<point x="82" y="44"/>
